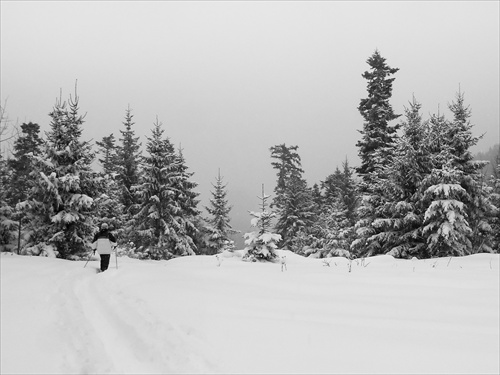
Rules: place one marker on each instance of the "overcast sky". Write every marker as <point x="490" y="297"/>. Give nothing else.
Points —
<point x="231" y="79"/>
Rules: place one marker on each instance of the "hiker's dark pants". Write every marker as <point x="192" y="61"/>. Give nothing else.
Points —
<point x="105" y="261"/>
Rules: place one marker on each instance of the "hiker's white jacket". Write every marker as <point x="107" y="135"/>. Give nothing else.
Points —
<point x="104" y="242"/>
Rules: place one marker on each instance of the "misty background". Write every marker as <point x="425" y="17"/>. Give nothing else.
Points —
<point x="229" y="80"/>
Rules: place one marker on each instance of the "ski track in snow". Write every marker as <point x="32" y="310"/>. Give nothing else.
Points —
<point x="115" y="331"/>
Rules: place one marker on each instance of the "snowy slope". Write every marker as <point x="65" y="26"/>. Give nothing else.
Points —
<point x="190" y="315"/>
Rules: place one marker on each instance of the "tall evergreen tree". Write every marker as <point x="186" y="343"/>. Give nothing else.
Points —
<point x="341" y="186"/>
<point x="296" y="215"/>
<point x="109" y="205"/>
<point x="220" y="230"/>
<point x="128" y="157"/>
<point x="60" y="204"/>
<point x="166" y="206"/>
<point x="446" y="228"/>
<point x="494" y="183"/>
<point x="378" y="136"/>
<point x="187" y="200"/>
<point x="400" y="219"/>
<point x="29" y="142"/>
<point x="335" y="224"/>
<point x="333" y="231"/>
<point x="109" y="209"/>
<point x="317" y="196"/>
<point x="376" y="150"/>
<point x="450" y="143"/>
<point x="288" y="165"/>
<point x="7" y="222"/>
<point x="293" y="200"/>
<point x="479" y="208"/>
<point x="26" y="145"/>
<point x="108" y="150"/>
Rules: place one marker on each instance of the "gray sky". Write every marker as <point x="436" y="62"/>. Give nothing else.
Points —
<point x="231" y="79"/>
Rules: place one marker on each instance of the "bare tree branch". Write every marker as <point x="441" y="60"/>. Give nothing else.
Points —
<point x="8" y="132"/>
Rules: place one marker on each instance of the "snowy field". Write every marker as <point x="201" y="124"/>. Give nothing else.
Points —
<point x="190" y="315"/>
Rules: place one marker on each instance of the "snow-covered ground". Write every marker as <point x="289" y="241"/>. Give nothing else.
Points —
<point x="189" y="315"/>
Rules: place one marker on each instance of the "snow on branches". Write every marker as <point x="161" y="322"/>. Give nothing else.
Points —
<point x="261" y="244"/>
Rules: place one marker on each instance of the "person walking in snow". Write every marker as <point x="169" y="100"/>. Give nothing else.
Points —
<point x="104" y="242"/>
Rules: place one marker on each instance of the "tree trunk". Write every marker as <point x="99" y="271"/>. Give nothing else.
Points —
<point x="19" y="238"/>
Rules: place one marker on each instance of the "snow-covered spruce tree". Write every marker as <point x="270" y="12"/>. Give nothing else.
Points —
<point x="479" y="208"/>
<point x="377" y="112"/>
<point x="446" y="227"/>
<point x="261" y="244"/>
<point x="331" y="233"/>
<point x="202" y="236"/>
<point x="317" y="195"/>
<point x="7" y="222"/>
<point x="128" y="157"/>
<point x="334" y="228"/>
<point x="187" y="199"/>
<point x="293" y="200"/>
<point x="59" y="206"/>
<point x="296" y="216"/>
<point x="128" y="160"/>
<point x="455" y="188"/>
<point x="371" y="239"/>
<point x="449" y="143"/>
<point x="219" y="229"/>
<point x="375" y="151"/>
<point x="400" y="219"/>
<point x="28" y="143"/>
<point x="341" y="186"/>
<point x="494" y="183"/>
<point x="161" y="223"/>
<point x="107" y="149"/>
<point x="109" y="206"/>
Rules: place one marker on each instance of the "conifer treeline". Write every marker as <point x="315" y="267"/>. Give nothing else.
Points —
<point x="417" y="192"/>
<point x="55" y="201"/>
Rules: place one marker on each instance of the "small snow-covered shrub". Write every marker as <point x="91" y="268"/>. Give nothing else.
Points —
<point x="40" y="249"/>
<point x="261" y="244"/>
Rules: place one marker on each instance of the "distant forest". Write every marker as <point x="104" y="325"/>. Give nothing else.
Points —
<point x="492" y="155"/>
